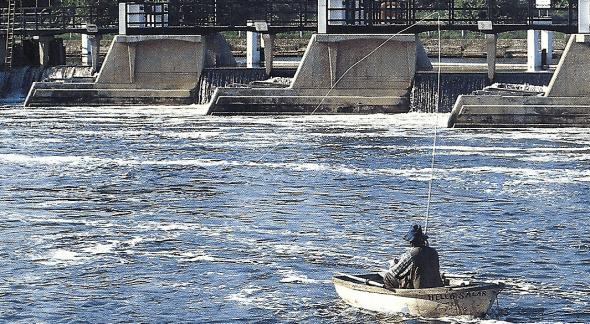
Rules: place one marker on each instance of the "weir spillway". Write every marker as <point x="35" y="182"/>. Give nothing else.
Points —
<point x="425" y="88"/>
<point x="338" y="74"/>
<point x="423" y="95"/>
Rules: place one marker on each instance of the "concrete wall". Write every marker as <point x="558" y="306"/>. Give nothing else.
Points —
<point x="153" y="62"/>
<point x="358" y="63"/>
<point x="359" y="74"/>
<point x="517" y="111"/>
<point x="572" y="76"/>
<point x="565" y="104"/>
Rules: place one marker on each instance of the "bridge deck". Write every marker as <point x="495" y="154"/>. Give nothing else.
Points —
<point x="355" y="16"/>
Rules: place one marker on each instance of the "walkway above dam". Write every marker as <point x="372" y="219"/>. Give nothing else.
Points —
<point x="343" y="17"/>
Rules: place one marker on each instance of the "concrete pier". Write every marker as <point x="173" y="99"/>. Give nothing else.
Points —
<point x="533" y="53"/>
<point x="252" y="51"/>
<point x="151" y="69"/>
<point x="44" y="49"/>
<point x="547" y="46"/>
<point x="491" y="47"/>
<point x="268" y="43"/>
<point x="539" y="49"/>
<point x="338" y="74"/>
<point x="90" y="50"/>
<point x="258" y="41"/>
<point x="566" y="103"/>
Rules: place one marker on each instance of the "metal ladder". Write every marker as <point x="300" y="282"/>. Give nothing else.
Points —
<point x="9" y="34"/>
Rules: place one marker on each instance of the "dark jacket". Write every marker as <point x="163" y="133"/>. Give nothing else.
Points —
<point x="424" y="271"/>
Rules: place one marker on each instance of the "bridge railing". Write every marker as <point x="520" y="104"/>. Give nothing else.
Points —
<point x="205" y="13"/>
<point x="222" y="13"/>
<point x="454" y="14"/>
<point x="390" y="15"/>
<point x="60" y="18"/>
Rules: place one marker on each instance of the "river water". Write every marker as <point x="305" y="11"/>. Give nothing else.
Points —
<point x="160" y="215"/>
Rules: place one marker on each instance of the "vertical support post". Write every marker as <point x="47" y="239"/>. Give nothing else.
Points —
<point x="322" y="16"/>
<point x="491" y="47"/>
<point x="43" y="49"/>
<point x="60" y="52"/>
<point x="131" y="51"/>
<point x="123" y="18"/>
<point x="91" y="47"/>
<point x="252" y="52"/>
<point x="268" y="44"/>
<point x="43" y="52"/>
<point x="547" y="45"/>
<point x="533" y="53"/>
<point x="95" y="51"/>
<point x="331" y="12"/>
<point x="86" y="50"/>
<point x="583" y="16"/>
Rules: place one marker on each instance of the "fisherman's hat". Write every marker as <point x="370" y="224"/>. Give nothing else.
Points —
<point x="415" y="235"/>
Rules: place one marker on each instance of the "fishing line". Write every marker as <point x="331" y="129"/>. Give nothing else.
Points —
<point x="366" y="56"/>
<point x="333" y="85"/>
<point x="435" y="130"/>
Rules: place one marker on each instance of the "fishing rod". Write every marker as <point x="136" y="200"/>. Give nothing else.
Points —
<point x="435" y="131"/>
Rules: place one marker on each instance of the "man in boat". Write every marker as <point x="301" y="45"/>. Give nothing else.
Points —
<point x="418" y="267"/>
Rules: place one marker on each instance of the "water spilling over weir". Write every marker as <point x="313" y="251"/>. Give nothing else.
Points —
<point x="212" y="79"/>
<point x="16" y="82"/>
<point x="424" y="89"/>
<point x="422" y="96"/>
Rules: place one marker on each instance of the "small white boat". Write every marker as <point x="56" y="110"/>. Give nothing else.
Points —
<point x="458" y="297"/>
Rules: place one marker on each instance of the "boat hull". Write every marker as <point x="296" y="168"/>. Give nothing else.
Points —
<point x="472" y="299"/>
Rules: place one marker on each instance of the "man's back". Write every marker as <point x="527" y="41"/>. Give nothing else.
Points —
<point x="425" y="272"/>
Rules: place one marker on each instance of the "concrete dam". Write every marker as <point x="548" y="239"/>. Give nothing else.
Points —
<point x="338" y="74"/>
<point x="361" y="61"/>
<point x="329" y="78"/>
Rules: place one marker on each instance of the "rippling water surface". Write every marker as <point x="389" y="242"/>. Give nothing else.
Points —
<point x="163" y="216"/>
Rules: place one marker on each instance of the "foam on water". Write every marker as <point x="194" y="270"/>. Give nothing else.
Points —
<point x="157" y="214"/>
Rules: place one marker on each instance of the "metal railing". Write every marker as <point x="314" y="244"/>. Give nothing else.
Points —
<point x="452" y="14"/>
<point x="32" y="20"/>
<point x="342" y="15"/>
<point x="231" y="14"/>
